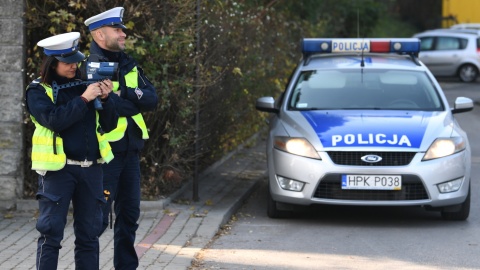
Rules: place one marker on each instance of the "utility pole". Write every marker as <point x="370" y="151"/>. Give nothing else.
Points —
<point x="197" y="103"/>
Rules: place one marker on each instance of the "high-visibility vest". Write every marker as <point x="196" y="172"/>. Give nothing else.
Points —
<point x="47" y="148"/>
<point x="131" y="80"/>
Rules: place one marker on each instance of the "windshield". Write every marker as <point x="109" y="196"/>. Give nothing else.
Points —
<point x="364" y="89"/>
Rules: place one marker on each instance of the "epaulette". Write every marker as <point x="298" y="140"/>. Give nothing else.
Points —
<point x="34" y="83"/>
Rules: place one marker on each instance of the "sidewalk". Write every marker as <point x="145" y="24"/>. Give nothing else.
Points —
<point x="171" y="231"/>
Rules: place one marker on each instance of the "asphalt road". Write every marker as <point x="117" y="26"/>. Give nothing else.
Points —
<point x="333" y="237"/>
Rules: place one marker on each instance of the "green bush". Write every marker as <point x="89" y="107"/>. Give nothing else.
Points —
<point x="209" y="65"/>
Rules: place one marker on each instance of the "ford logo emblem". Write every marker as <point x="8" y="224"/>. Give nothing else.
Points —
<point x="371" y="158"/>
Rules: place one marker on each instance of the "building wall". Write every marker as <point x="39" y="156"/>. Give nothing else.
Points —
<point x="12" y="59"/>
<point x="464" y="11"/>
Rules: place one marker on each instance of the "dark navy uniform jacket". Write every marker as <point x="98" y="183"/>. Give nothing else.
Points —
<point x="128" y="103"/>
<point x="72" y="118"/>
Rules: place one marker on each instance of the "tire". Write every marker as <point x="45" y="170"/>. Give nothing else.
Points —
<point x="468" y="73"/>
<point x="462" y="213"/>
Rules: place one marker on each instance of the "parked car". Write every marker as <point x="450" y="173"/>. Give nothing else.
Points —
<point x="475" y="26"/>
<point x="364" y="122"/>
<point x="451" y="52"/>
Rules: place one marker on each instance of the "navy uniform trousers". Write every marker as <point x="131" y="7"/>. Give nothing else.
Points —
<point x="82" y="186"/>
<point x="122" y="180"/>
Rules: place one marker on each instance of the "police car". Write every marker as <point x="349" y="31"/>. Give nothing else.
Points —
<point x="364" y="122"/>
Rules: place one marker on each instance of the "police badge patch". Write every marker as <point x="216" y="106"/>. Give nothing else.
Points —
<point x="139" y="93"/>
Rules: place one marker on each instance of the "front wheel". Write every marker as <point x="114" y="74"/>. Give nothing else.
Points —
<point x="468" y="73"/>
<point x="462" y="213"/>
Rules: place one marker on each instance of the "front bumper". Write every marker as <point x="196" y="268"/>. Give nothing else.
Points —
<point x="322" y="180"/>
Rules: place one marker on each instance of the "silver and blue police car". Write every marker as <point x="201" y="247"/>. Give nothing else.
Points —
<point x="364" y="122"/>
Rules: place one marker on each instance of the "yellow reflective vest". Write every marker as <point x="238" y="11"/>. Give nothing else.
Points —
<point x="131" y="80"/>
<point x="47" y="147"/>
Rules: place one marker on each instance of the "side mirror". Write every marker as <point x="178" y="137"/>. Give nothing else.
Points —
<point x="462" y="104"/>
<point x="266" y="104"/>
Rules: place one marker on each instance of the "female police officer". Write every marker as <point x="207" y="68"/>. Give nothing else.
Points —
<point x="67" y="150"/>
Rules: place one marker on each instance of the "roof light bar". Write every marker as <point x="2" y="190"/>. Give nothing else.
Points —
<point x="358" y="45"/>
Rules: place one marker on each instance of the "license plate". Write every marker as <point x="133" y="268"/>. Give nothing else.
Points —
<point x="382" y="182"/>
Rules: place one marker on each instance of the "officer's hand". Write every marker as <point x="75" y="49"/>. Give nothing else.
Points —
<point x="106" y="87"/>
<point x="93" y="91"/>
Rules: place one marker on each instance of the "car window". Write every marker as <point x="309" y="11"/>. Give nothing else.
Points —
<point x="426" y="43"/>
<point x="451" y="43"/>
<point x="367" y="89"/>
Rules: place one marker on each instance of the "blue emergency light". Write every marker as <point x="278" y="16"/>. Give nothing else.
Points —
<point x="359" y="45"/>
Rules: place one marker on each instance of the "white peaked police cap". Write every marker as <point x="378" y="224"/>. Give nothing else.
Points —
<point x="64" y="47"/>
<point x="112" y="17"/>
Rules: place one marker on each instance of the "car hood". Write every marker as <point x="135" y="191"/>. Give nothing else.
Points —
<point x="334" y="130"/>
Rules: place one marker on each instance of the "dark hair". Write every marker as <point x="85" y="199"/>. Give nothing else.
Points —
<point x="47" y="70"/>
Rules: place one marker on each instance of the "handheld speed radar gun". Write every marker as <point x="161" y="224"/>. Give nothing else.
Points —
<point x="98" y="71"/>
<point x="92" y="72"/>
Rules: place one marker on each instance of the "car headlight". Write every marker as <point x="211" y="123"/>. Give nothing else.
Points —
<point x="443" y="147"/>
<point x="296" y="146"/>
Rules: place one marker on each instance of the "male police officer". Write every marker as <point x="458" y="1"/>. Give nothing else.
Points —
<point x="134" y="94"/>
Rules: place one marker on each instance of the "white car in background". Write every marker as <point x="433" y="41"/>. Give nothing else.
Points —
<point x="451" y="52"/>
<point x="474" y="26"/>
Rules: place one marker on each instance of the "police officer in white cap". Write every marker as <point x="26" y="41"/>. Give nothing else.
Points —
<point x="135" y="94"/>
<point x="67" y="152"/>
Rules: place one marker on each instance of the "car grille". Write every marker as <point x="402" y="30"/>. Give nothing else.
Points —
<point x="388" y="158"/>
<point x="330" y="187"/>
